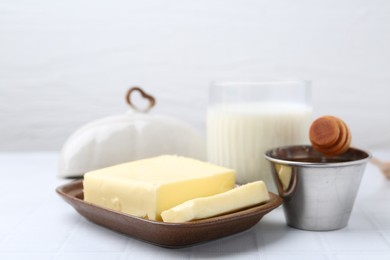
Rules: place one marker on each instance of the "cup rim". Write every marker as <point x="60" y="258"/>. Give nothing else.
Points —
<point x="365" y="156"/>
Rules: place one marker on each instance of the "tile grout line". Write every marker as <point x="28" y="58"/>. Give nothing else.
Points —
<point x="255" y="230"/>
<point x="325" y="246"/>
<point x="66" y="239"/>
<point x="126" y="251"/>
<point x="260" y="243"/>
<point x="377" y="226"/>
<point x="32" y="211"/>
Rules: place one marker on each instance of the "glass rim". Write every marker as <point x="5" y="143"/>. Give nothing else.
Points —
<point x="217" y="83"/>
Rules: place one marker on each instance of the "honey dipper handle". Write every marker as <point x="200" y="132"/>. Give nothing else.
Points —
<point x="376" y="162"/>
<point x="384" y="167"/>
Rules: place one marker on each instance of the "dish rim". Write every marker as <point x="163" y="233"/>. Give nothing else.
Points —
<point x="274" y="202"/>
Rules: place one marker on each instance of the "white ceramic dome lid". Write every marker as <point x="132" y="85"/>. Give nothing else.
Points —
<point x="127" y="137"/>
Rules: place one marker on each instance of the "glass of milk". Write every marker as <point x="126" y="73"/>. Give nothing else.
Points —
<point x="244" y="119"/>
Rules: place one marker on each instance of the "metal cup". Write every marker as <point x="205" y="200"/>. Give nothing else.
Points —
<point x="318" y="192"/>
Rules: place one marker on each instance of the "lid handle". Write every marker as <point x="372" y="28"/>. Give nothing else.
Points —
<point x="151" y="99"/>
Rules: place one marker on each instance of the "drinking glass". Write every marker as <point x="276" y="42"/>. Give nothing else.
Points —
<point x="244" y="119"/>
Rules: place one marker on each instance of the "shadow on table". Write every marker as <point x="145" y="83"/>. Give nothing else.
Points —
<point x="248" y="243"/>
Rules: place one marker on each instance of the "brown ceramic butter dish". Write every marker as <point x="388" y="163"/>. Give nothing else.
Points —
<point x="166" y="234"/>
<point x="330" y="135"/>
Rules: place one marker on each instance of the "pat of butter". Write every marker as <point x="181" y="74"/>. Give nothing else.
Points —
<point x="284" y="173"/>
<point x="147" y="187"/>
<point x="242" y="197"/>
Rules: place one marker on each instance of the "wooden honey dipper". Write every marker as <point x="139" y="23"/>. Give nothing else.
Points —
<point x="330" y="135"/>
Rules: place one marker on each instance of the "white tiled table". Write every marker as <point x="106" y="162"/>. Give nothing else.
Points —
<point x="35" y="223"/>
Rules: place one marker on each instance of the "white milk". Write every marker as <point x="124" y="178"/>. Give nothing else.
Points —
<point x="239" y="134"/>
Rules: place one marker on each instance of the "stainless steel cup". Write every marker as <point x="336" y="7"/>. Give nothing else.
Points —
<point x="318" y="192"/>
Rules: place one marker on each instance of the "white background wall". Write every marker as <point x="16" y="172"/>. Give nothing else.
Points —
<point x="64" y="63"/>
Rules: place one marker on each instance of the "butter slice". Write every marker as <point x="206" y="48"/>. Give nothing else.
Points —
<point x="145" y="188"/>
<point x="284" y="173"/>
<point x="242" y="197"/>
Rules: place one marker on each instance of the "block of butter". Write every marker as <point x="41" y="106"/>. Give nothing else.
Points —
<point x="241" y="197"/>
<point x="147" y="187"/>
